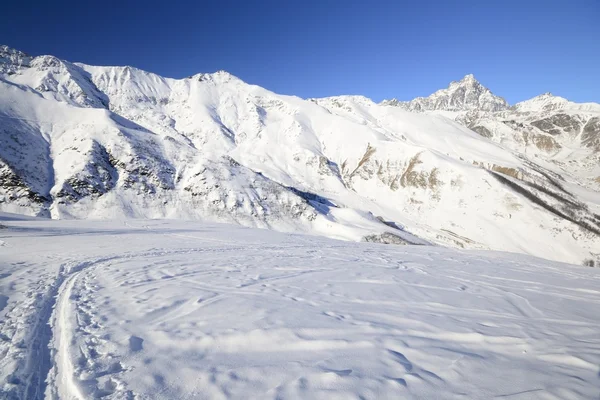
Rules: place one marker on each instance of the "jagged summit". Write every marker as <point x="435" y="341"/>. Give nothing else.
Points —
<point x="220" y="76"/>
<point x="7" y="50"/>
<point x="468" y="79"/>
<point x="12" y="59"/>
<point x="464" y="95"/>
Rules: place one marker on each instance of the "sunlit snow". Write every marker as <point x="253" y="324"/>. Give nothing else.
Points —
<point x="170" y="309"/>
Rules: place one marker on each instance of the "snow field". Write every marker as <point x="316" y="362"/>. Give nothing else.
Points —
<point x="172" y="309"/>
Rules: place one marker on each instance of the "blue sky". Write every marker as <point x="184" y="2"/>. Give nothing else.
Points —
<point x="380" y="49"/>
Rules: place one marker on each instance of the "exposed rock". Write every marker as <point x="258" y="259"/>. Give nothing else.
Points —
<point x="98" y="176"/>
<point x="545" y="143"/>
<point x="14" y="189"/>
<point x="482" y="130"/>
<point x="12" y="60"/>
<point x="386" y="238"/>
<point x="558" y="124"/>
<point x="591" y="134"/>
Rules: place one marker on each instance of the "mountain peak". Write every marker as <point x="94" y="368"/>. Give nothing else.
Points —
<point x="543" y="102"/>
<point x="220" y="76"/>
<point x="4" y="49"/>
<point x="469" y="78"/>
<point x="464" y="95"/>
<point x="11" y="59"/>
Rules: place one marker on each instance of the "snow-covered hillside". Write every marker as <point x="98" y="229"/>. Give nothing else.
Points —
<point x="79" y="141"/>
<point x="546" y="128"/>
<point x="174" y="310"/>
<point x="549" y="128"/>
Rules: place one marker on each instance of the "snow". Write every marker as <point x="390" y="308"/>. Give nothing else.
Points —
<point x="548" y="101"/>
<point x="460" y="96"/>
<point x="161" y="309"/>
<point x="81" y="141"/>
<point x="551" y="131"/>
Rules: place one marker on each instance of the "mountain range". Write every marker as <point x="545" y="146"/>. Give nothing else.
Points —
<point x="460" y="168"/>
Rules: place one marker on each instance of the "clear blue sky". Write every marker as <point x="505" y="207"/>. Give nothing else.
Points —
<point x="380" y="49"/>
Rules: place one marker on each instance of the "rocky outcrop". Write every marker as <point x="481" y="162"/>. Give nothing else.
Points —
<point x="590" y="136"/>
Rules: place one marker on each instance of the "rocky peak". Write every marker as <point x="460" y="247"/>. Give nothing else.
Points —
<point x="43" y="63"/>
<point x="467" y="80"/>
<point x="220" y="76"/>
<point x="12" y="59"/>
<point x="464" y="95"/>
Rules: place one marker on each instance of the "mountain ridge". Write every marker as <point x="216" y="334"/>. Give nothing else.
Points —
<point x="546" y="126"/>
<point x="24" y="58"/>
<point x="463" y="95"/>
<point x="81" y="141"/>
<point x="428" y="103"/>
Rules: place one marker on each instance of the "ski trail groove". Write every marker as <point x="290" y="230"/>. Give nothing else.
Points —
<point x="40" y="367"/>
<point x="61" y="375"/>
<point x="38" y="362"/>
<point x="64" y="385"/>
<point x="57" y="371"/>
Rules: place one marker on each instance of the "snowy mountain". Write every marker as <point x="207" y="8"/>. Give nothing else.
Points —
<point x="466" y="94"/>
<point x="80" y="141"/>
<point x="546" y="127"/>
<point x="550" y="128"/>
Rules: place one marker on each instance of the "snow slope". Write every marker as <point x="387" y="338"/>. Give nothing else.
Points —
<point x="166" y="309"/>
<point x="80" y="141"/>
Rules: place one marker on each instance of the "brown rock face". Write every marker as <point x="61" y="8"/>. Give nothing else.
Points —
<point x="591" y="134"/>
<point x="558" y="124"/>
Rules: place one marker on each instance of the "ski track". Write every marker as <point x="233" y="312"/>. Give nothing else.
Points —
<point x="63" y="331"/>
<point x="161" y="310"/>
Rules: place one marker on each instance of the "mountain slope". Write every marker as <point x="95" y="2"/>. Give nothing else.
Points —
<point x="104" y="142"/>
<point x="548" y="128"/>
<point x="551" y="128"/>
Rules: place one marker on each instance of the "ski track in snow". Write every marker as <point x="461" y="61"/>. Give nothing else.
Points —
<point x="168" y="309"/>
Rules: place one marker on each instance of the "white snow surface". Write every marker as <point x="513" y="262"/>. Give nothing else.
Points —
<point x="159" y="309"/>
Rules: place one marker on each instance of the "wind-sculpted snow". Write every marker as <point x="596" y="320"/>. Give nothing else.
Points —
<point x="80" y="141"/>
<point x="166" y="309"/>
